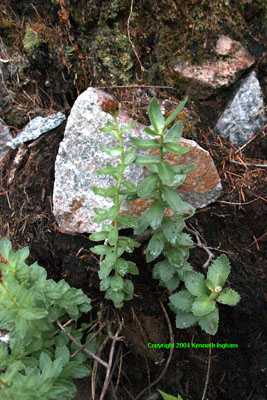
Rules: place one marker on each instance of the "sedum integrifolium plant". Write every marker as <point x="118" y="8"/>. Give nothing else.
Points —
<point x="36" y="361"/>
<point x="196" y="302"/>
<point x="168" y="211"/>
<point x="113" y="267"/>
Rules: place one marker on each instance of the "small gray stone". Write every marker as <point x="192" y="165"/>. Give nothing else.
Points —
<point x="36" y="127"/>
<point x="244" y="115"/>
<point x="5" y="136"/>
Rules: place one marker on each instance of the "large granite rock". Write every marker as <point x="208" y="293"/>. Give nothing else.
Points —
<point x="244" y="115"/>
<point x="79" y="157"/>
<point x="230" y="62"/>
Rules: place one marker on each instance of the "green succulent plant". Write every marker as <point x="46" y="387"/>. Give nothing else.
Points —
<point x="196" y="302"/>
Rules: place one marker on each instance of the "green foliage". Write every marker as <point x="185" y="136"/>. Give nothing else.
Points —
<point x="169" y="240"/>
<point x="36" y="363"/>
<point x="166" y="396"/>
<point x="196" y="303"/>
<point x="113" y="268"/>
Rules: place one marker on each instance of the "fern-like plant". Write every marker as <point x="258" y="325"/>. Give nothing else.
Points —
<point x="35" y="363"/>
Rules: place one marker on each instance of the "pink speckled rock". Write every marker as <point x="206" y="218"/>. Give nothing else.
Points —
<point x="231" y="62"/>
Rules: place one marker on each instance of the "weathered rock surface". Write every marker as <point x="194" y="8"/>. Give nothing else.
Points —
<point x="36" y="127"/>
<point x="5" y="136"/>
<point x="231" y="62"/>
<point x="244" y="115"/>
<point x="79" y="157"/>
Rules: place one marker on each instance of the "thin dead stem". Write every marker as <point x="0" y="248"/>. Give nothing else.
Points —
<point x="207" y="376"/>
<point x="202" y="246"/>
<point x="129" y="36"/>
<point x="89" y="353"/>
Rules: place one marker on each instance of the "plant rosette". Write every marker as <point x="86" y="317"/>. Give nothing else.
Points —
<point x="197" y="302"/>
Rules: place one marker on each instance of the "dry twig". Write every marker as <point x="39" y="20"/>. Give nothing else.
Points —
<point x="114" y="338"/>
<point x="207" y="377"/>
<point x="202" y="246"/>
<point x="129" y="37"/>
<point x="89" y="353"/>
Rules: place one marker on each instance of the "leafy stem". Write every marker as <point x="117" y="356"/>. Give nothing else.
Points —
<point x="13" y="301"/>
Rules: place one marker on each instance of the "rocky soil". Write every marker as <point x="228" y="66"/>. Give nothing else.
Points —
<point x="59" y="48"/>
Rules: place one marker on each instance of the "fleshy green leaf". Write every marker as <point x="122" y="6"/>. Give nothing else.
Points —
<point x="219" y="270"/>
<point x="155" y="115"/>
<point x="155" y="246"/>
<point x="175" y="148"/>
<point x="130" y="157"/>
<point x="195" y="283"/>
<point x="185" y="240"/>
<point x="209" y="323"/>
<point x="174" y="114"/>
<point x="113" y="236"/>
<point x="127" y="220"/>
<point x="111" y="256"/>
<point x="111" y="151"/>
<point x="210" y="285"/>
<point x="150" y="131"/>
<point x="128" y="289"/>
<point x="166" y="270"/>
<point x="178" y="179"/>
<point x="132" y="268"/>
<point x="167" y="396"/>
<point x="175" y="202"/>
<point x="116" y="296"/>
<point x="165" y="173"/>
<point x="116" y="282"/>
<point x="173" y="283"/>
<point x="98" y="236"/>
<point x="185" y="320"/>
<point x="145" y="143"/>
<point x="174" y="134"/>
<point x="143" y="160"/>
<point x="171" y="229"/>
<point x="203" y="305"/>
<point x="101" y="249"/>
<point x="110" y="192"/>
<point x="104" y="270"/>
<point x="155" y="214"/>
<point x="229" y="297"/>
<point x="106" y="171"/>
<point x="143" y="223"/>
<point x="128" y="127"/>
<point x="184" y="169"/>
<point x="113" y="212"/>
<point x="182" y="300"/>
<point x="147" y="185"/>
<point x="177" y="255"/>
